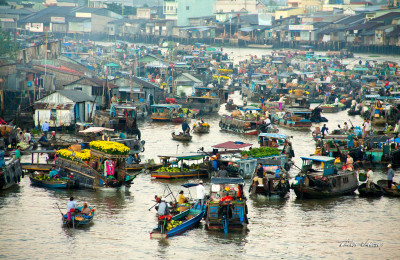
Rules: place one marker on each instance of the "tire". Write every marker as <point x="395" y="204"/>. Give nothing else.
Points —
<point x="286" y="166"/>
<point x="143" y="149"/>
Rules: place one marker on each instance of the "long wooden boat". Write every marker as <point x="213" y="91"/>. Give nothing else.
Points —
<point x="272" y="187"/>
<point x="78" y="219"/>
<point x="393" y="192"/>
<point x="377" y="191"/>
<point x="178" y="170"/>
<point x="42" y="167"/>
<point x="11" y="172"/>
<point x="324" y="182"/>
<point x="43" y="181"/>
<point x="294" y="119"/>
<point x="186" y="220"/>
<point x="332" y="109"/>
<point x="239" y="126"/>
<point x="167" y="113"/>
<point x="181" y="137"/>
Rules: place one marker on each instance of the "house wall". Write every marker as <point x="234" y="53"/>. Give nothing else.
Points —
<point x="193" y="8"/>
<point x="38" y="52"/>
<point x="60" y="78"/>
<point x="279" y="14"/>
<point x="236" y="6"/>
<point x="99" y="23"/>
<point x="64" y="117"/>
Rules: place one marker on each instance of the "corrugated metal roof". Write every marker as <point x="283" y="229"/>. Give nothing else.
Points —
<point x="76" y="95"/>
<point x="48" y="106"/>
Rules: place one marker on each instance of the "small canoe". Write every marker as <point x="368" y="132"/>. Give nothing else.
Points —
<point x="78" y="219"/>
<point x="181" y="137"/>
<point x="377" y="191"/>
<point x="201" y="129"/>
<point x="230" y="107"/>
<point x="179" y="224"/>
<point x="44" y="181"/>
<point x="392" y="192"/>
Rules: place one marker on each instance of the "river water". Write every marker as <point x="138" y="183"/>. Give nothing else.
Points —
<point x="347" y="227"/>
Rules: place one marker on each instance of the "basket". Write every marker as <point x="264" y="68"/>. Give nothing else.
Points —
<point x="362" y="176"/>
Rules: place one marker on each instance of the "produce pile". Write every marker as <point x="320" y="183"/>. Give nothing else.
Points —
<point x="261" y="152"/>
<point x="110" y="147"/>
<point x="333" y="105"/>
<point x="172" y="169"/>
<point x="74" y="156"/>
<point x="203" y="124"/>
<point x="173" y="224"/>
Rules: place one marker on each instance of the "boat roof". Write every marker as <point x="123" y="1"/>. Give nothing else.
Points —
<point x="189" y="185"/>
<point x="299" y="111"/>
<point x="123" y="106"/>
<point x="166" y="105"/>
<point x="232" y="145"/>
<point x="188" y="156"/>
<point x="222" y="180"/>
<point x="319" y="158"/>
<point x="95" y="129"/>
<point x="273" y="135"/>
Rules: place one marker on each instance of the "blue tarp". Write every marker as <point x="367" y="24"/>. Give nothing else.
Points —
<point x="221" y="180"/>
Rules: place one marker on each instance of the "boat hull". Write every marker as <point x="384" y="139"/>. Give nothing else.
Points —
<point x="377" y="191"/>
<point x="183" y="138"/>
<point x="11" y="173"/>
<point x="56" y="184"/>
<point x="389" y="192"/>
<point x="177" y="175"/>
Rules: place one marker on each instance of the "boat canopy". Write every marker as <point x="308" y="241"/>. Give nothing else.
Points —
<point x="272" y="135"/>
<point x="319" y="158"/>
<point x="189" y="185"/>
<point x="222" y="180"/>
<point x="185" y="156"/>
<point x="232" y="145"/>
<point x="95" y="129"/>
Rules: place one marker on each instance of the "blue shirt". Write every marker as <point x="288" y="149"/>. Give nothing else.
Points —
<point x="53" y="173"/>
<point x="45" y="127"/>
<point x="390" y="174"/>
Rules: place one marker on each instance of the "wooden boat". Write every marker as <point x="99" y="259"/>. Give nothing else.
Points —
<point x="393" y="192"/>
<point x="177" y="170"/>
<point x="140" y="166"/>
<point x="332" y="108"/>
<point x="11" y="171"/>
<point x="181" y="137"/>
<point x="377" y="191"/>
<point x="186" y="220"/>
<point x="54" y="144"/>
<point x="227" y="210"/>
<point x="272" y="186"/>
<point x="45" y="167"/>
<point x="44" y="181"/>
<point x="324" y="182"/>
<point x="201" y="128"/>
<point x="167" y="113"/>
<point x="293" y="118"/>
<point x="231" y="107"/>
<point x="78" y="219"/>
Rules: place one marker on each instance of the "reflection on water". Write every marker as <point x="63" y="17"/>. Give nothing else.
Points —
<point x="30" y="222"/>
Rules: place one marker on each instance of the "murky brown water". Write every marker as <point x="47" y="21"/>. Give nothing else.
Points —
<point x="30" y="226"/>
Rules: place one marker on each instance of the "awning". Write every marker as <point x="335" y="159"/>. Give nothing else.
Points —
<point x="218" y="180"/>
<point x="273" y="135"/>
<point x="232" y="145"/>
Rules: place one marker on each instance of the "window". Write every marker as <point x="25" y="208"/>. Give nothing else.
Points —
<point x="187" y="7"/>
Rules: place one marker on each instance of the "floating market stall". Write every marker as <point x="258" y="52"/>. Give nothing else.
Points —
<point x="180" y="169"/>
<point x="101" y="166"/>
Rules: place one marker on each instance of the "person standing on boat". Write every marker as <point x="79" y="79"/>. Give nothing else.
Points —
<point x="162" y="208"/>
<point x="245" y="101"/>
<point x="390" y="175"/>
<point x="71" y="205"/>
<point x="201" y="193"/>
<point x="18" y="153"/>
<point x="185" y="128"/>
<point x="324" y="130"/>
<point x="260" y="175"/>
<point x="45" y="128"/>
<point x="281" y="100"/>
<point x="370" y="175"/>
<point x="349" y="163"/>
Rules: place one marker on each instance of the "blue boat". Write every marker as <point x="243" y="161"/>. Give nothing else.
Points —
<point x="44" y="181"/>
<point x="78" y="219"/>
<point x="179" y="223"/>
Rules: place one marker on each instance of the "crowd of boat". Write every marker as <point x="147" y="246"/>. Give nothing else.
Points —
<point x="276" y="92"/>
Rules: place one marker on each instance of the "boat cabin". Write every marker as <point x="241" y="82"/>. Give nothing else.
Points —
<point x="167" y="113"/>
<point x="326" y="164"/>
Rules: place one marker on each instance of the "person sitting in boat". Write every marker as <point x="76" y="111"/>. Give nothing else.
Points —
<point x="370" y="175"/>
<point x="181" y="198"/>
<point x="185" y="128"/>
<point x="43" y="138"/>
<point x="345" y="127"/>
<point x="53" y="173"/>
<point x="122" y="135"/>
<point x="222" y="172"/>
<point x="349" y="163"/>
<point x="85" y="209"/>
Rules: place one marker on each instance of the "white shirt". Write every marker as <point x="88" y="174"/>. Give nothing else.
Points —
<point x="367" y="126"/>
<point x="201" y="192"/>
<point x="370" y="174"/>
<point x="267" y="121"/>
<point x="281" y="99"/>
<point x="71" y="205"/>
<point x="27" y="137"/>
<point x="161" y="208"/>
<point x="353" y="102"/>
<point x="336" y="101"/>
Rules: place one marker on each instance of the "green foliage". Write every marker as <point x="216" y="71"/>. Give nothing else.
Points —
<point x="7" y="45"/>
<point x="117" y="8"/>
<point x="261" y="152"/>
